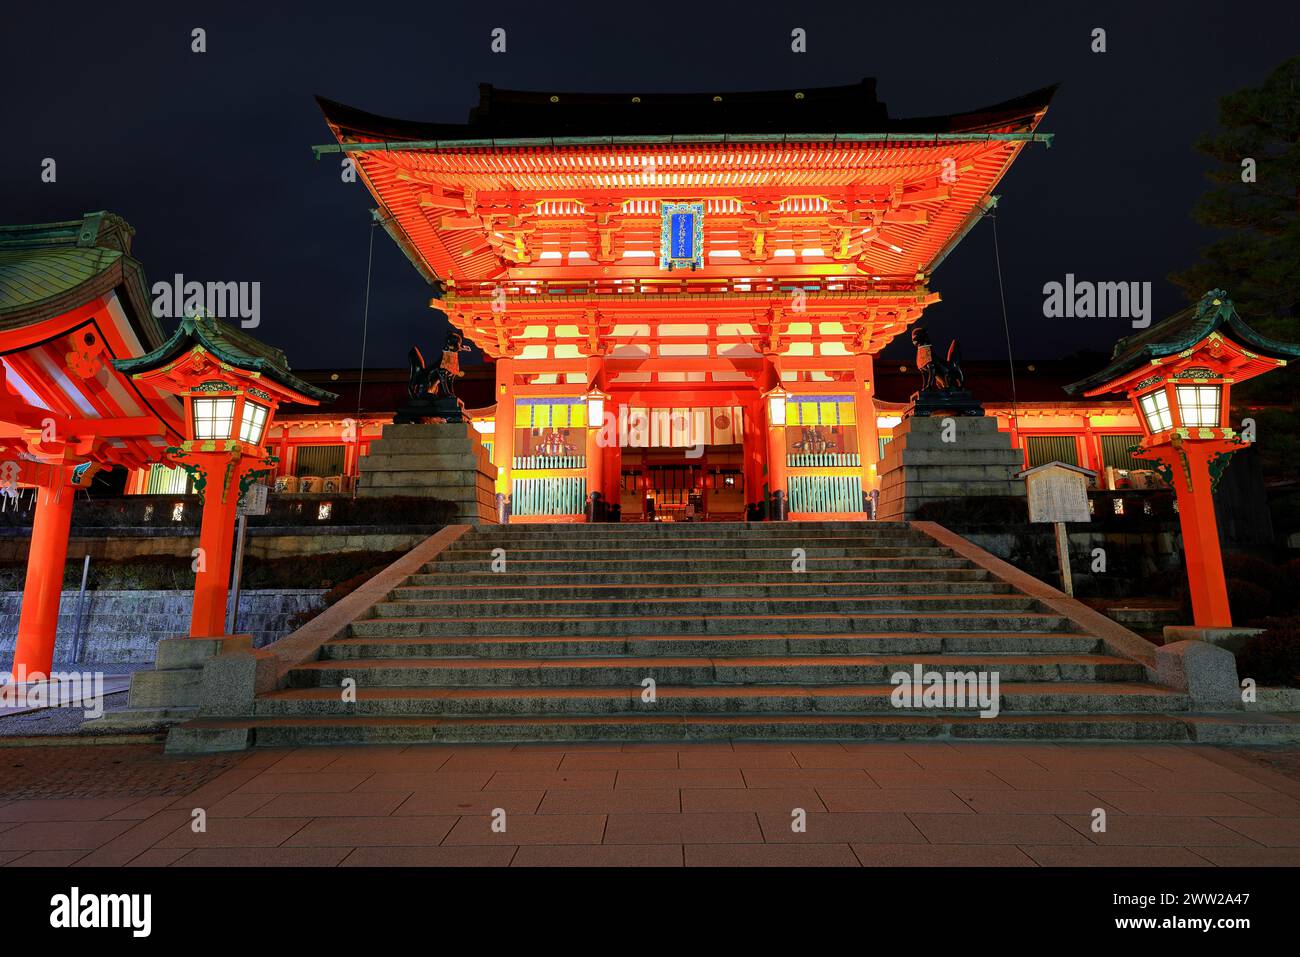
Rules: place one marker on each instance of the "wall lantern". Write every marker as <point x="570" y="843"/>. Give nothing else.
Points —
<point x="596" y="407"/>
<point x="1178" y="375"/>
<point x="776" y="401"/>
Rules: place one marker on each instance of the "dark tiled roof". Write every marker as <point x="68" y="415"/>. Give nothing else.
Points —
<point x="855" y="108"/>
<point x="47" y="269"/>
<point x="383" y="391"/>
<point x="1037" y="380"/>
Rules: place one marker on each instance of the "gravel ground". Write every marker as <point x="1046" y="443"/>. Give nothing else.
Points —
<point x="68" y="721"/>
<point x="54" y="721"/>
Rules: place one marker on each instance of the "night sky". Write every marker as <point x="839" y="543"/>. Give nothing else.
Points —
<point x="208" y="156"/>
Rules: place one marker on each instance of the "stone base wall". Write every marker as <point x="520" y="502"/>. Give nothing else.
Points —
<point x="126" y="626"/>
<point x="923" y="465"/>
<point x="435" y="460"/>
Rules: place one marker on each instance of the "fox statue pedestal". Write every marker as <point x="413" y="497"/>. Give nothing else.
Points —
<point x="443" y="460"/>
<point x="945" y="457"/>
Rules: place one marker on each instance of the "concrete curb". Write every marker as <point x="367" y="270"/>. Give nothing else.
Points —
<point x="1117" y="639"/>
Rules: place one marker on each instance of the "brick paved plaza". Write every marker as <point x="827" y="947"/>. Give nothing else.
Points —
<point x="652" y="805"/>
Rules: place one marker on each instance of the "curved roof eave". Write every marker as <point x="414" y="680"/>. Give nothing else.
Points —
<point x="847" y="110"/>
<point x="224" y="344"/>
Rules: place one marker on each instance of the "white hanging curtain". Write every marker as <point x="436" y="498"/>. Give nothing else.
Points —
<point x="679" y="428"/>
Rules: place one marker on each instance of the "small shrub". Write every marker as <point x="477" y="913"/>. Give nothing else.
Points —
<point x="1273" y="658"/>
<point x="1247" y="600"/>
<point x="1277" y="583"/>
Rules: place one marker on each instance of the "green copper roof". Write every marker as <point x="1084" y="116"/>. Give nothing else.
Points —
<point x="1214" y="312"/>
<point x="50" y="268"/>
<point x="230" y="345"/>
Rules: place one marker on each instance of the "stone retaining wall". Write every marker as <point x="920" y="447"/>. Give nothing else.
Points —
<point x="126" y="626"/>
<point x="125" y="543"/>
<point x="1130" y="556"/>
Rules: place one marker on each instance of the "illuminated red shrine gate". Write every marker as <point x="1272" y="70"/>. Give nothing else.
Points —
<point x="711" y="278"/>
<point x="72" y="301"/>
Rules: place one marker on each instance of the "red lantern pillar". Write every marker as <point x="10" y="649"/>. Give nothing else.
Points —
<point x="1190" y="464"/>
<point x="216" y="551"/>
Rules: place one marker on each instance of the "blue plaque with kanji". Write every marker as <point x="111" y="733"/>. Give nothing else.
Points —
<point x="681" y="244"/>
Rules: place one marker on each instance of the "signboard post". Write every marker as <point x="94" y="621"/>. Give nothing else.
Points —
<point x="253" y="502"/>
<point x="1058" y="493"/>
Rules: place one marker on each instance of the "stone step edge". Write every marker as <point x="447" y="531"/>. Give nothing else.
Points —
<point x="424" y="692"/>
<point x="695" y="661"/>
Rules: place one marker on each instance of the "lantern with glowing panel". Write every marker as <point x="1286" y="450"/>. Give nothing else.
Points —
<point x="231" y="385"/>
<point x="1179" y="374"/>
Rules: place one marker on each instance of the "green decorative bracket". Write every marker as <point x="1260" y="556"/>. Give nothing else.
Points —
<point x="199" y="476"/>
<point x="1217" y="466"/>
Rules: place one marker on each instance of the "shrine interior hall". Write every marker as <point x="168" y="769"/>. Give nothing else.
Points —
<point x="708" y="277"/>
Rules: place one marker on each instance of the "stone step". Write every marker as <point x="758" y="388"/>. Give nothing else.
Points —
<point x="583" y="530"/>
<point x="295" y="732"/>
<point x="1020" y="697"/>
<point x="517" y="577"/>
<point x="701" y="534"/>
<point x="830" y="624"/>
<point x="640" y="607"/>
<point x="698" y="563"/>
<point x="457" y="591"/>
<point x="630" y="672"/>
<point x="345" y="649"/>
<point x="620" y="553"/>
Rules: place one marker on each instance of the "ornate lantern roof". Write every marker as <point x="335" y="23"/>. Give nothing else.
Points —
<point x="197" y="338"/>
<point x="1209" y="335"/>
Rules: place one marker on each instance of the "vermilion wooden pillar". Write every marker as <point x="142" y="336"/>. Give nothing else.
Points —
<point x="217" y="541"/>
<point x="755" y="451"/>
<point x="503" y="436"/>
<point x="1200" y="528"/>
<point x="776" y="452"/>
<point x="864" y="409"/>
<point x="38" y="622"/>
<point x="595" y="461"/>
<point x="612" y="488"/>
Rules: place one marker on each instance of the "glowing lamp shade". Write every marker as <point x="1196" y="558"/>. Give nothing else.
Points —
<point x="1154" y="407"/>
<point x="213" y="417"/>
<point x="1199" y="406"/>
<point x="596" y="408"/>
<point x="253" y="425"/>
<point x="776" y="400"/>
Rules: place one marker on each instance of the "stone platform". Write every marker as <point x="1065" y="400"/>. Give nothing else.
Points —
<point x="919" y="466"/>
<point x="445" y="461"/>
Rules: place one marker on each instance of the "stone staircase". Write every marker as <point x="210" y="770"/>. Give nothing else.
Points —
<point x="558" y="646"/>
